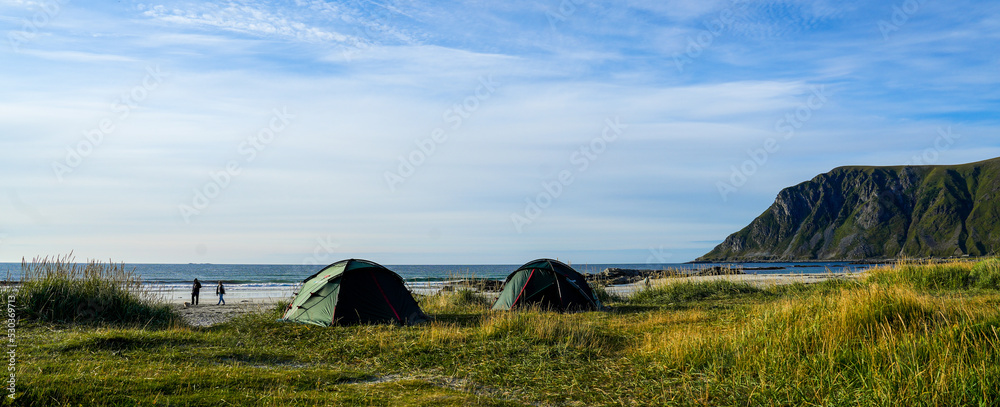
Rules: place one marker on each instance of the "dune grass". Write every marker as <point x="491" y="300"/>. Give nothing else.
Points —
<point x="891" y="339"/>
<point x="689" y="291"/>
<point x="61" y="290"/>
<point x="952" y="275"/>
<point x="876" y="345"/>
<point x="452" y="302"/>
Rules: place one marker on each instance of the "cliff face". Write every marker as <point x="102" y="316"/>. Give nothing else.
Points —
<point x="877" y="212"/>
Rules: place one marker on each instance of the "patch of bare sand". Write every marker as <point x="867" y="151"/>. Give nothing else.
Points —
<point x="210" y="314"/>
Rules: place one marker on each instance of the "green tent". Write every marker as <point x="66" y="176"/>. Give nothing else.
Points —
<point x="354" y="292"/>
<point x="548" y="284"/>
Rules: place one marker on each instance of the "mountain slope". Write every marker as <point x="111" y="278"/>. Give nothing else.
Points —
<point x="877" y="212"/>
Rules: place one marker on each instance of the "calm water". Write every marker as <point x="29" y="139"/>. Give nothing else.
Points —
<point x="173" y="281"/>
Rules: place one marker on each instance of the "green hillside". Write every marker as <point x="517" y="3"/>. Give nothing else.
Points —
<point x="876" y="213"/>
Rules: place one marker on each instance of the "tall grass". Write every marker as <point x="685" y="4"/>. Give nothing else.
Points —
<point x="61" y="290"/>
<point x="875" y="345"/>
<point x="955" y="275"/>
<point x="539" y="326"/>
<point x="461" y="301"/>
<point x="605" y="296"/>
<point x="690" y="291"/>
<point x="987" y="273"/>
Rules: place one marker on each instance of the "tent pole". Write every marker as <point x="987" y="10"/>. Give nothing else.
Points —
<point x="562" y="304"/>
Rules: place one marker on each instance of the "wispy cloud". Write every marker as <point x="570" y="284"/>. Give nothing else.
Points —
<point x="247" y="18"/>
<point x="76" y="56"/>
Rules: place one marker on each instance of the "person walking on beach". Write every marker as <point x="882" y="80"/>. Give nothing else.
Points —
<point x="195" y="290"/>
<point x="221" y="291"/>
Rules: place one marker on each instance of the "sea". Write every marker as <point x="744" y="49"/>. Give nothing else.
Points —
<point x="279" y="281"/>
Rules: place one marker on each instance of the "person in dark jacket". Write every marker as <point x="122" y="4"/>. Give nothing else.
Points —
<point x="220" y="290"/>
<point x="195" y="290"/>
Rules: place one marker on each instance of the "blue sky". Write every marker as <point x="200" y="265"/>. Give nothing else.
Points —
<point x="463" y="132"/>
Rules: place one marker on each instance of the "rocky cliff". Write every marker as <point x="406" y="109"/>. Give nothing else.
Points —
<point x="877" y="213"/>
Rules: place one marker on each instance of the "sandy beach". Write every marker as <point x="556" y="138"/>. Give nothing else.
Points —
<point x="206" y="313"/>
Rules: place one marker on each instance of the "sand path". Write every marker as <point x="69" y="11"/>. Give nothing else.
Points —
<point x="210" y="314"/>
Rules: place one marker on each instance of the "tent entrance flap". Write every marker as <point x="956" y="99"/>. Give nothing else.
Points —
<point x="541" y="289"/>
<point x="384" y="297"/>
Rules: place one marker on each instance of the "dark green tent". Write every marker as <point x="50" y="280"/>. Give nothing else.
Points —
<point x="549" y="284"/>
<point x="354" y="292"/>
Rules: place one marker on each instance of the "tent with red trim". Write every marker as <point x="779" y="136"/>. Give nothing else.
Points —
<point x="548" y="284"/>
<point x="354" y="292"/>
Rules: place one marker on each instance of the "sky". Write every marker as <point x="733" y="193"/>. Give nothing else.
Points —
<point x="463" y="132"/>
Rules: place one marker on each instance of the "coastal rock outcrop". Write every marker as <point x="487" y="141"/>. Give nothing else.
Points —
<point x="855" y="213"/>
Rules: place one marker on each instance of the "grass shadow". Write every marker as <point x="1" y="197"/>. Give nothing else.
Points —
<point x="464" y="320"/>
<point x="130" y="341"/>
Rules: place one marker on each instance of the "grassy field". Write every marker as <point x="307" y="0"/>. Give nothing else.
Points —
<point x="924" y="334"/>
